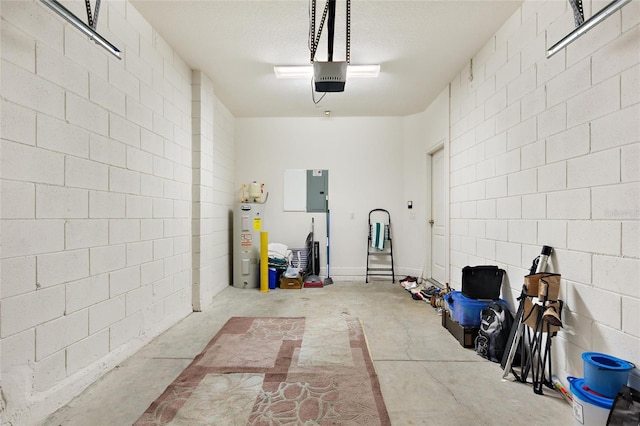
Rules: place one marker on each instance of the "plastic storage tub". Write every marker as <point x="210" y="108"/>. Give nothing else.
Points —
<point x="467" y="311"/>
<point x="588" y="409"/>
<point x="273" y="278"/>
<point x="605" y="374"/>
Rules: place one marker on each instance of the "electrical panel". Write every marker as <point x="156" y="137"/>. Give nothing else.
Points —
<point x="317" y="190"/>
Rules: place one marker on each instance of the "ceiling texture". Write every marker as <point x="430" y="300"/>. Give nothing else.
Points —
<point x="420" y="46"/>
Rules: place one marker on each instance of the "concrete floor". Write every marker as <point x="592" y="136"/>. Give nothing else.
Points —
<point x="427" y="378"/>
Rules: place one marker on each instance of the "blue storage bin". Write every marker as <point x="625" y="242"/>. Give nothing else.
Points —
<point x="466" y="311"/>
<point x="273" y="278"/>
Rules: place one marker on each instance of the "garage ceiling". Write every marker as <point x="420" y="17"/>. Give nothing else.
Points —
<point x="420" y="46"/>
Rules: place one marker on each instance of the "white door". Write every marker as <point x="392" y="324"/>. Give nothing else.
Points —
<point x="437" y="221"/>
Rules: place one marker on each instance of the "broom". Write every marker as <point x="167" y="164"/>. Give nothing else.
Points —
<point x="328" y="280"/>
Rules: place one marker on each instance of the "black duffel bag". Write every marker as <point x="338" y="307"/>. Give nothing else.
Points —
<point x="482" y="282"/>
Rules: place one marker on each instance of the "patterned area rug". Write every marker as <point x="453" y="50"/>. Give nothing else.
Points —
<point x="276" y="371"/>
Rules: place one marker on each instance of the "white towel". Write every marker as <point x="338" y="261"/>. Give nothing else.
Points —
<point x="377" y="235"/>
<point x="278" y="250"/>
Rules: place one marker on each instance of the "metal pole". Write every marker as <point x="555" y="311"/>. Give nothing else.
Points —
<point x="331" y="27"/>
<point x="88" y="31"/>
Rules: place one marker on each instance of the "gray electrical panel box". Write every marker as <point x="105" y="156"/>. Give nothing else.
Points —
<point x="317" y="190"/>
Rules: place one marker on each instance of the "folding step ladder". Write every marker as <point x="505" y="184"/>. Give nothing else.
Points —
<point x="379" y="245"/>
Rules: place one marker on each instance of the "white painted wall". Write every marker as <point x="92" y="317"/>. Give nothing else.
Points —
<point x="373" y="162"/>
<point x="213" y="190"/>
<point x="364" y="159"/>
<point x="546" y="152"/>
<point x="423" y="133"/>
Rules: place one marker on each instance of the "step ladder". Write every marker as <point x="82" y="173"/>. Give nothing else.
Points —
<point x="380" y="245"/>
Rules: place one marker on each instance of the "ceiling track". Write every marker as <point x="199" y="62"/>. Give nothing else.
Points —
<point x="328" y="15"/>
<point x="581" y="29"/>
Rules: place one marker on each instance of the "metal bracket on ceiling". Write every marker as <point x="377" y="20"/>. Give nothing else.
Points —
<point x="88" y="30"/>
<point x="578" y="14"/>
<point x="93" y="21"/>
<point x="587" y="25"/>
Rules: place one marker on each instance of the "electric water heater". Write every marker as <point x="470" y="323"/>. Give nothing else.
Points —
<point x="247" y="225"/>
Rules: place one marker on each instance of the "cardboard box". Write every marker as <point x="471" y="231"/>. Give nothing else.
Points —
<point x="466" y="336"/>
<point x="291" y="282"/>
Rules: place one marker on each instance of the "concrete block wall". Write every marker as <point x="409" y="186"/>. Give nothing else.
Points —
<point x="224" y="198"/>
<point x="96" y="199"/>
<point x="546" y="152"/>
<point x="213" y="192"/>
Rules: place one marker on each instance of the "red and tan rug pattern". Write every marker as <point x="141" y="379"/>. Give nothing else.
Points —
<point x="276" y="371"/>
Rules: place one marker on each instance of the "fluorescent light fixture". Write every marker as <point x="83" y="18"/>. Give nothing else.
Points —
<point x="293" y="71"/>
<point x="600" y="16"/>
<point x="363" y="71"/>
<point x="87" y="30"/>
<point x="306" y="71"/>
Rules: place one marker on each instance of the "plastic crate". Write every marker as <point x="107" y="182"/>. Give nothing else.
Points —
<point x="467" y="311"/>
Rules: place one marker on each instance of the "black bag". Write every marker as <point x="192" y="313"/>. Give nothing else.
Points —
<point x="626" y="408"/>
<point x="495" y="325"/>
<point x="482" y="282"/>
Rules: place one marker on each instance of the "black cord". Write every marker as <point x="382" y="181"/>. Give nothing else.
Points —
<point x="313" y="94"/>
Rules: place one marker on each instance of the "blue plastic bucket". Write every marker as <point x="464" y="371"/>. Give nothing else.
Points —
<point x="605" y="374"/>
<point x="588" y="409"/>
